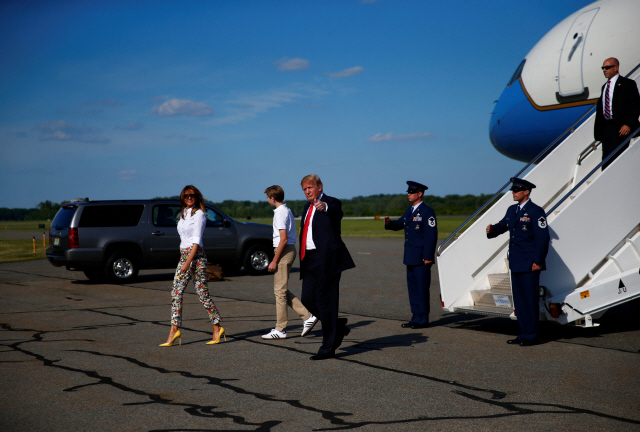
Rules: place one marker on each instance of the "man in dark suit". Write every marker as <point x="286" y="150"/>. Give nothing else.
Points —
<point x="528" y="247"/>
<point x="617" y="110"/>
<point x="420" y="238"/>
<point x="323" y="258"/>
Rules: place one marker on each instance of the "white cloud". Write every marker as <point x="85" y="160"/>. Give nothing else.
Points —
<point x="184" y="107"/>
<point x="127" y="174"/>
<point x="391" y="137"/>
<point x="287" y="65"/>
<point x="250" y="106"/>
<point x="62" y="130"/>
<point x="347" y="72"/>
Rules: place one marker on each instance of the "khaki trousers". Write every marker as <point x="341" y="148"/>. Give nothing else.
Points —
<point x="284" y="297"/>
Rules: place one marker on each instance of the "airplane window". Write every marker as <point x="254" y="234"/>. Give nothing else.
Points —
<point x="517" y="73"/>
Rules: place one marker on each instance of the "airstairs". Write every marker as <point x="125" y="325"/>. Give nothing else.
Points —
<point x="593" y="217"/>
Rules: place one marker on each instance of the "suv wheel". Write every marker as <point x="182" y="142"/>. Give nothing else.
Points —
<point x="256" y="260"/>
<point x="121" y="268"/>
<point x="94" y="275"/>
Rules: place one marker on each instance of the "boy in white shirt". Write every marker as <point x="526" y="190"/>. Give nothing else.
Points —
<point x="284" y="244"/>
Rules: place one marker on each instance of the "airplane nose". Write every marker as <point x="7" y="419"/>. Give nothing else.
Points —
<point x="520" y="131"/>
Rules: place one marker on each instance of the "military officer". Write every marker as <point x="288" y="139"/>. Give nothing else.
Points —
<point x="420" y="237"/>
<point x="528" y="246"/>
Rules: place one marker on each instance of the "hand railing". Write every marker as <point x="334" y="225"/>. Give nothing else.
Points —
<point x="585" y="178"/>
<point x="541" y="155"/>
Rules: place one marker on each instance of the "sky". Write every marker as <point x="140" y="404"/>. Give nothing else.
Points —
<point x="136" y="99"/>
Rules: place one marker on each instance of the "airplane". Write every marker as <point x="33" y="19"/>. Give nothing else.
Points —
<point x="561" y="77"/>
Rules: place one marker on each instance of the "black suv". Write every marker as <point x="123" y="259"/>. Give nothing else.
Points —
<point x="115" y="239"/>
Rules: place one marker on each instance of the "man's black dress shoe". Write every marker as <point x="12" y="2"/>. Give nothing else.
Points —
<point x="323" y="356"/>
<point x="527" y="342"/>
<point x="406" y="325"/>
<point x="419" y="326"/>
<point x="515" y="341"/>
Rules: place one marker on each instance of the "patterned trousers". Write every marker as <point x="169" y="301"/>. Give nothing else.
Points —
<point x="197" y="271"/>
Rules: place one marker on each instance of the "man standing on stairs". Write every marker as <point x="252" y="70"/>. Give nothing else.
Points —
<point x="528" y="247"/>
<point x="617" y="110"/>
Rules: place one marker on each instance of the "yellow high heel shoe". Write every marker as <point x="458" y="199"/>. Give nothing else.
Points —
<point x="220" y="333"/>
<point x="173" y="339"/>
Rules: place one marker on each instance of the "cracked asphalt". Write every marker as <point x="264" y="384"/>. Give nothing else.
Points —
<point x="80" y="356"/>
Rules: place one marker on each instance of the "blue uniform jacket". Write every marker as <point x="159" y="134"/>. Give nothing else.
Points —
<point x="529" y="234"/>
<point x="420" y="234"/>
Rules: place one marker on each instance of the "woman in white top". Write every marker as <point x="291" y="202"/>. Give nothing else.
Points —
<point x="193" y="263"/>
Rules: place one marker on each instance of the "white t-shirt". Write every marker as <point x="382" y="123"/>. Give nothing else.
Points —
<point x="191" y="228"/>
<point x="283" y="220"/>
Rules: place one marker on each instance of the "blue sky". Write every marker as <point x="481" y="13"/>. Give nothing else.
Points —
<point x="135" y="99"/>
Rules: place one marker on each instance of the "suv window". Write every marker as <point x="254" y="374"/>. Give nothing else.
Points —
<point x="166" y="215"/>
<point x="64" y="216"/>
<point x="214" y="219"/>
<point x="111" y="216"/>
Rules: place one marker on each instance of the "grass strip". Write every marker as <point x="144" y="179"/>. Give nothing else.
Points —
<point x="14" y="250"/>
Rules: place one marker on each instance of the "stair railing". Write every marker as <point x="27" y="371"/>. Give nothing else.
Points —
<point x="585" y="178"/>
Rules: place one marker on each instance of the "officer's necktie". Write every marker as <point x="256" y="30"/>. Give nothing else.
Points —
<point x="607" y="102"/>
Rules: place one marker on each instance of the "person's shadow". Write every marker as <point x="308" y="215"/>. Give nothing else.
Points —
<point x="378" y="344"/>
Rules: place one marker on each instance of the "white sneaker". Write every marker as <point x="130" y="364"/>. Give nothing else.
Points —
<point x="308" y="325"/>
<point x="275" y="334"/>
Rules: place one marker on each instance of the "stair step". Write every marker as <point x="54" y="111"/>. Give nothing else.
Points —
<point x="493" y="298"/>
<point x="500" y="281"/>
<point x="485" y="310"/>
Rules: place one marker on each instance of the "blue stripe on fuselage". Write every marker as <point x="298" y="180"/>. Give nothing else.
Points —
<point x="521" y="132"/>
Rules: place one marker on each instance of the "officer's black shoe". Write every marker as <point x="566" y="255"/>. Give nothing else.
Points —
<point x="515" y="341"/>
<point x="528" y="342"/>
<point x="419" y="326"/>
<point x="406" y="325"/>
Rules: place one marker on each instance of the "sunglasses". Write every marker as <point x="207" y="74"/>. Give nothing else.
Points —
<point x="187" y="196"/>
<point x="607" y="67"/>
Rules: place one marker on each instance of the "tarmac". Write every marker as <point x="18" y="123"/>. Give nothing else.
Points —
<point x="82" y="356"/>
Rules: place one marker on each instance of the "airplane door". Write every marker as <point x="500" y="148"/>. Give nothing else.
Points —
<point x="570" y="80"/>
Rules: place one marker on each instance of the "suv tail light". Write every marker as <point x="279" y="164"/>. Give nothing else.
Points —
<point x="74" y="241"/>
<point x="554" y="310"/>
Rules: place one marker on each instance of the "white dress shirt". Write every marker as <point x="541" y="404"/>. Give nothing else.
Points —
<point x="191" y="228"/>
<point x="310" y="244"/>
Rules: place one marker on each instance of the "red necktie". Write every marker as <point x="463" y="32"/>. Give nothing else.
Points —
<point x="303" y="245"/>
<point x="607" y="102"/>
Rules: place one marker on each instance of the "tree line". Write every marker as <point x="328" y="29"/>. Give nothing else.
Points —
<point x="382" y="205"/>
<point x="373" y="205"/>
<point x="43" y="211"/>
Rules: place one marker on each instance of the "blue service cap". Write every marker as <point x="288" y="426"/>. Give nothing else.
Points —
<point x="521" y="185"/>
<point x="415" y="187"/>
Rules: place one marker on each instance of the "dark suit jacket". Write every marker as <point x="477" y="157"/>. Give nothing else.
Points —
<point x="420" y="234"/>
<point x="625" y="106"/>
<point x="529" y="234"/>
<point x="334" y="256"/>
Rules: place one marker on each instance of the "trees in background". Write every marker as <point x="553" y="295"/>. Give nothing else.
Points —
<point x="381" y="205"/>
